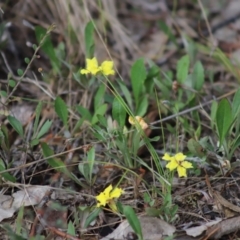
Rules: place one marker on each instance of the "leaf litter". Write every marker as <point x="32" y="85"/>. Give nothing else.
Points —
<point x="137" y="32"/>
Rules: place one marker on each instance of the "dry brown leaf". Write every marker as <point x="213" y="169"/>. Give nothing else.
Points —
<point x="224" y="227"/>
<point x="197" y="231"/>
<point x="152" y="229"/>
<point x="22" y="112"/>
<point x="26" y="197"/>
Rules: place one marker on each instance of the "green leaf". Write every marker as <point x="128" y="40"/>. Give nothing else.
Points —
<point x="61" y="110"/>
<point x="34" y="142"/>
<point x="198" y="76"/>
<point x="138" y="76"/>
<point x="236" y="104"/>
<point x="195" y="148"/>
<point x="20" y="72"/>
<point x="182" y="68"/>
<point x="71" y="228"/>
<point x="12" y="83"/>
<point x="92" y="216"/>
<point x="53" y="162"/>
<point x="118" y="112"/>
<point x="99" y="96"/>
<point x="223" y="119"/>
<point x="84" y="113"/>
<point x="3" y="93"/>
<point x="38" y="113"/>
<point x="7" y="176"/>
<point x="142" y="107"/>
<point x="126" y="93"/>
<point x="133" y="220"/>
<point x="26" y="60"/>
<point x="44" y="129"/>
<point x="100" y="111"/>
<point x="16" y="125"/>
<point x="47" y="47"/>
<point x="89" y="39"/>
<point x="214" y="107"/>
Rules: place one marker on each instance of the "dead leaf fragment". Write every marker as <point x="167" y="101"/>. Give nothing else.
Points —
<point x="152" y="229"/>
<point x="224" y="227"/>
<point x="197" y="231"/>
<point x="29" y="196"/>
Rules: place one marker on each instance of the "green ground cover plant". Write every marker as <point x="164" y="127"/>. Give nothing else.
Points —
<point x="116" y="141"/>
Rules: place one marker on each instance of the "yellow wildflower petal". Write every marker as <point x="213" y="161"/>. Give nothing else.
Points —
<point x="182" y="172"/>
<point x="116" y="193"/>
<point x="101" y="198"/>
<point x="180" y="157"/>
<point x="186" y="164"/>
<point x="84" y="71"/>
<point x="172" y="165"/>
<point x="167" y="157"/>
<point x="107" y="68"/>
<point x="113" y="206"/>
<point x="104" y="196"/>
<point x="107" y="191"/>
<point x="92" y="67"/>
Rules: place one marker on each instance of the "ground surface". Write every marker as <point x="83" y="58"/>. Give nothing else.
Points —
<point x="41" y="83"/>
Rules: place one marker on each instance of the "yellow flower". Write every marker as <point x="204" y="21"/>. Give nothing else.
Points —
<point x="92" y="67"/>
<point x="106" y="68"/>
<point x="108" y="196"/>
<point x="177" y="162"/>
<point x="140" y="120"/>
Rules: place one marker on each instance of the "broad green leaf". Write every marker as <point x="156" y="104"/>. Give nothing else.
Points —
<point x="198" y="76"/>
<point x="195" y="148"/>
<point x="7" y="176"/>
<point x="126" y="93"/>
<point x="61" y="110"/>
<point x="133" y="220"/>
<point x="142" y="107"/>
<point x="223" y="119"/>
<point x="44" y="129"/>
<point x="118" y="112"/>
<point x="34" y="142"/>
<point x="99" y="96"/>
<point x="53" y="162"/>
<point x="12" y="83"/>
<point x="138" y="76"/>
<point x="84" y="113"/>
<point x="92" y="216"/>
<point x="47" y="47"/>
<point x="4" y="94"/>
<point x="103" y="121"/>
<point x="16" y="125"/>
<point x="89" y="39"/>
<point x="182" y="68"/>
<point x="38" y="113"/>
<point x="100" y="111"/>
<point x="236" y="104"/>
<point x="26" y="60"/>
<point x="20" y="72"/>
<point x="71" y="228"/>
<point x="214" y="107"/>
